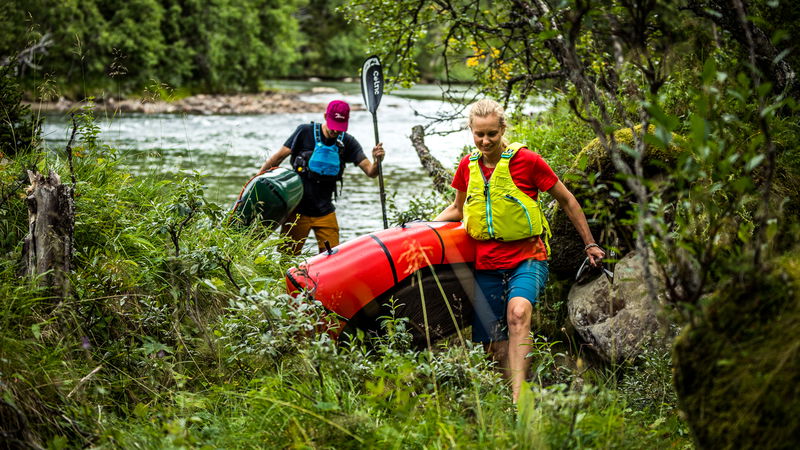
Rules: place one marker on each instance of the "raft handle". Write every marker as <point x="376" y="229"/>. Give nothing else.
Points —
<point x="328" y="249"/>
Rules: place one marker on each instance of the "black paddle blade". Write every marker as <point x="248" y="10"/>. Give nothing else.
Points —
<point x="372" y="83"/>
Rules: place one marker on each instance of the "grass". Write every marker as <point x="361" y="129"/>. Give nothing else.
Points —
<point x="184" y="337"/>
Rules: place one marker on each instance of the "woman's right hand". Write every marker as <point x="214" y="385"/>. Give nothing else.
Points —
<point x="595" y="254"/>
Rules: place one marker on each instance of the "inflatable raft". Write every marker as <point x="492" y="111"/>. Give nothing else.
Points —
<point x="358" y="279"/>
<point x="269" y="197"/>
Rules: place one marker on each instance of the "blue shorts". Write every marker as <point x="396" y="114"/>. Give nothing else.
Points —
<point x="494" y="288"/>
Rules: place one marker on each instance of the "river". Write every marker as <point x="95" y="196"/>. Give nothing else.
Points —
<point x="229" y="149"/>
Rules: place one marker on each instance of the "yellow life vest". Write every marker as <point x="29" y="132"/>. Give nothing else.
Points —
<point x="497" y="209"/>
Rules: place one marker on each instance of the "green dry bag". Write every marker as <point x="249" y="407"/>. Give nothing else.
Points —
<point x="269" y="197"/>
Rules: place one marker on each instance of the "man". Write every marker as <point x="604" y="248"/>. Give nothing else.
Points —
<point x="319" y="152"/>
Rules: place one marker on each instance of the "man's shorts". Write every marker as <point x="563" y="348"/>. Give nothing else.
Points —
<point x="296" y="229"/>
<point x="494" y="288"/>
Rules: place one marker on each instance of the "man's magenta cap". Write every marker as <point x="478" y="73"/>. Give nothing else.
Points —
<point x="337" y="115"/>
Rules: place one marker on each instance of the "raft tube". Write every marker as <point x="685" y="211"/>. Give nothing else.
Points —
<point x="270" y="197"/>
<point x="358" y="279"/>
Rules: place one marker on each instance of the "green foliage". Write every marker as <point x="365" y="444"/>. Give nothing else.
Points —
<point x="554" y="134"/>
<point x="648" y="384"/>
<point x="424" y="207"/>
<point x="508" y="46"/>
<point x="179" y="332"/>
<point x="403" y="30"/>
<point x="134" y="41"/>
<point x="715" y="213"/>
<point x="97" y="47"/>
<point x="186" y="205"/>
<point x="265" y="328"/>
<point x="13" y="212"/>
<point x="19" y="129"/>
<point x="20" y="132"/>
<point x="204" y="348"/>
<point x="724" y="206"/>
<point x="331" y="45"/>
<point x="747" y="368"/>
<point x="75" y="55"/>
<point x="13" y="39"/>
<point x="237" y="43"/>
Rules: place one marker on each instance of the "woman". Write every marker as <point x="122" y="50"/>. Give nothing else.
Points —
<point x="497" y="189"/>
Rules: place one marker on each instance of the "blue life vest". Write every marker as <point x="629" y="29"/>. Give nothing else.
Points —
<point x="325" y="160"/>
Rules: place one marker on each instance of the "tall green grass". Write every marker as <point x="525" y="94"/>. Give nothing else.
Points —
<point x="180" y="334"/>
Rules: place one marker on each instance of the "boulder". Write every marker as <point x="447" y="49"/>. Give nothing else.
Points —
<point x="616" y="318"/>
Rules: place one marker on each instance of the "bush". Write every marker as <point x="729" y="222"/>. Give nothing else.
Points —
<point x="180" y="333"/>
<point x="554" y="134"/>
<point x="20" y="130"/>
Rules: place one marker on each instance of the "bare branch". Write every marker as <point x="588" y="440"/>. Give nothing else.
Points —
<point x="25" y="58"/>
<point x="69" y="151"/>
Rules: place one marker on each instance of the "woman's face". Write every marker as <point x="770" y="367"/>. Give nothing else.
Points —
<point x="488" y="134"/>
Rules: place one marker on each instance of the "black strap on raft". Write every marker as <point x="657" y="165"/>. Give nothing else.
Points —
<point x="388" y="256"/>
<point x="441" y="242"/>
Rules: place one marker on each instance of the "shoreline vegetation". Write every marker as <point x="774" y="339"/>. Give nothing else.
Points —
<point x="180" y="332"/>
<point x="152" y="321"/>
<point x="265" y="102"/>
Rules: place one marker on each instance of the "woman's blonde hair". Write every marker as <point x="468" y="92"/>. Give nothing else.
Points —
<point x="485" y="108"/>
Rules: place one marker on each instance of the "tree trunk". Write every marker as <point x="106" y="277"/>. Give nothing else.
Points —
<point x="47" y="249"/>
<point x="441" y="176"/>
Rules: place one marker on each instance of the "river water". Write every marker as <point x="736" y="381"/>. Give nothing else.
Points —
<point x="229" y="149"/>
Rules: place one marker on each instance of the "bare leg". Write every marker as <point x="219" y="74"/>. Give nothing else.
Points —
<point x="519" y="330"/>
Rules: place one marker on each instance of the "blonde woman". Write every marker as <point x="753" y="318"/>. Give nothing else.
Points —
<point x="497" y="188"/>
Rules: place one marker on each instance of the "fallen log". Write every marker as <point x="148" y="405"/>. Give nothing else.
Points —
<point x="441" y="176"/>
<point x="47" y="249"/>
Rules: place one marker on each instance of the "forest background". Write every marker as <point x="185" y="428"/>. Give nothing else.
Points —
<point x="223" y="46"/>
<point x="677" y="120"/>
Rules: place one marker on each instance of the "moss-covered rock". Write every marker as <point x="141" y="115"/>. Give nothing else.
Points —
<point x="594" y="181"/>
<point x="737" y="365"/>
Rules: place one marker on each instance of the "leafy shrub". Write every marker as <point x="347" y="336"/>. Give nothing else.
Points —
<point x="422" y="207"/>
<point x="555" y="135"/>
<point x="20" y="130"/>
<point x="187" y="338"/>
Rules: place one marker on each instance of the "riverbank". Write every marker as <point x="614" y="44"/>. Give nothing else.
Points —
<point x="267" y="102"/>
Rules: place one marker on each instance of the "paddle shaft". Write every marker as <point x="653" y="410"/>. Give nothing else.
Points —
<point x="380" y="173"/>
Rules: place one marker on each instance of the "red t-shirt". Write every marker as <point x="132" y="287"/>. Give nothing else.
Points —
<point x="531" y="174"/>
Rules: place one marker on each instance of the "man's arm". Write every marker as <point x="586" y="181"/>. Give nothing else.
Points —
<point x="276" y="159"/>
<point x="370" y="168"/>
